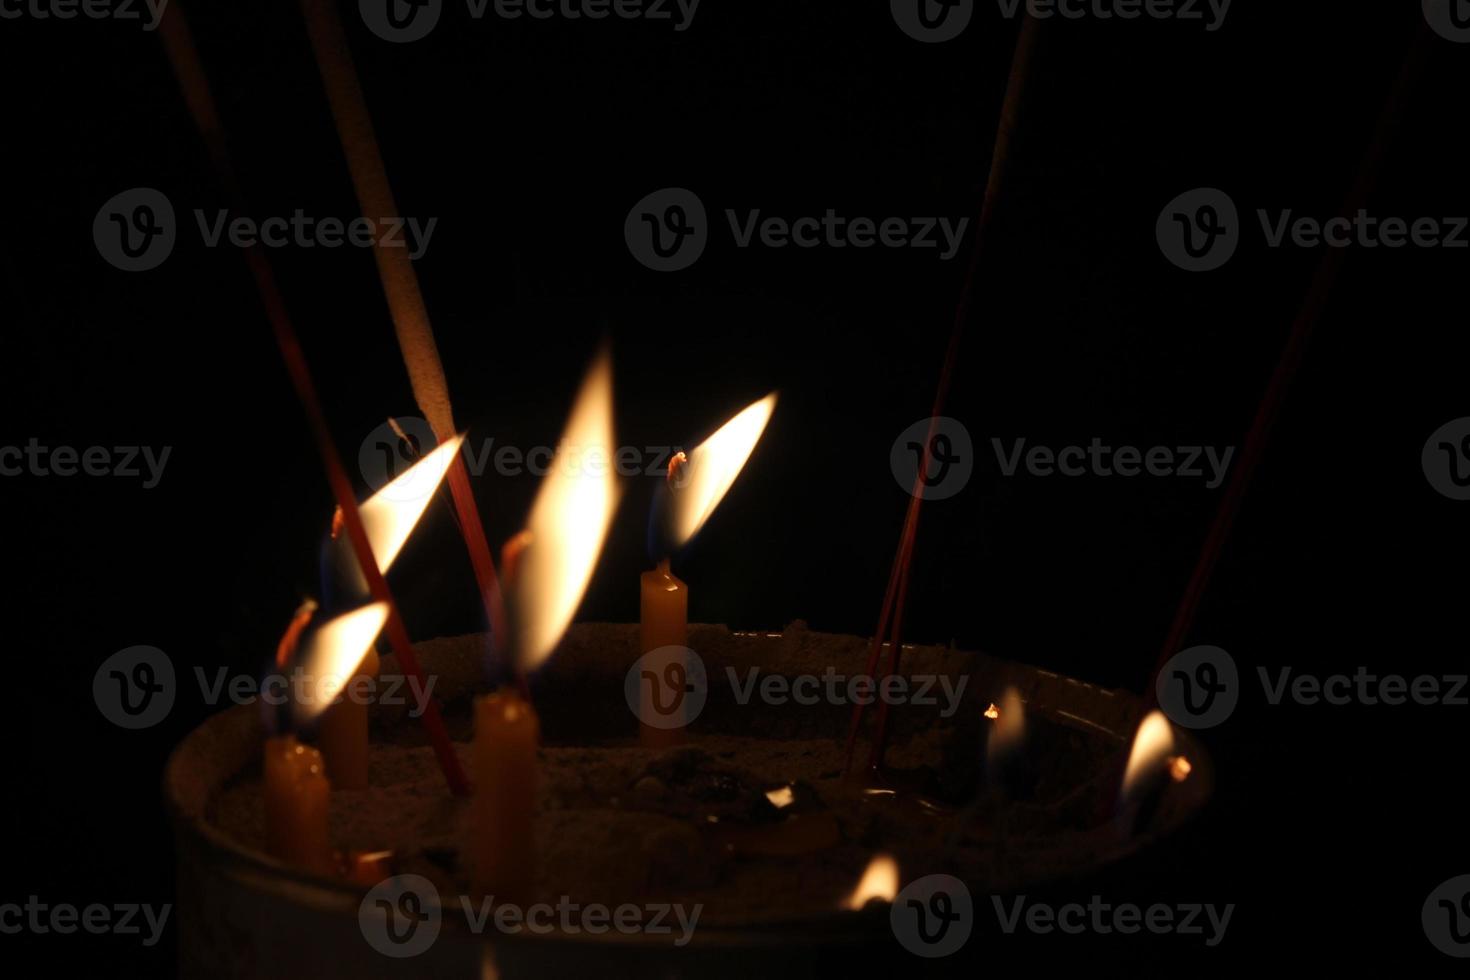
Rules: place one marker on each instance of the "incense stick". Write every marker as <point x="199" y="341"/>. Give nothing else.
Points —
<point x="1310" y="312"/>
<point x="400" y="283"/>
<point x="896" y="595"/>
<point x="184" y="57"/>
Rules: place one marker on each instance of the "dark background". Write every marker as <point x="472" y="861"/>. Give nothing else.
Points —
<point x="529" y="141"/>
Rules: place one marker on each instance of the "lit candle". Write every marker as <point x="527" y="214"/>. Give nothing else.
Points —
<point x="296" y="795"/>
<point x="343" y="731"/>
<point x="663" y="621"/>
<point x="1153" y="766"/>
<point x="546" y="569"/>
<point x="696" y="484"/>
<point x="506" y="777"/>
<point x="336" y="659"/>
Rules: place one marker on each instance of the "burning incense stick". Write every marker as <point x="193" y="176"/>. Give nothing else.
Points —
<point x="400" y="283"/>
<point x="896" y="594"/>
<point x="184" y="57"/>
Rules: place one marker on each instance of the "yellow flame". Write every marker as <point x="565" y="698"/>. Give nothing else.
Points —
<point x="879" y="881"/>
<point x="713" y="466"/>
<point x="992" y="712"/>
<point x="1152" y="747"/>
<point x="389" y="516"/>
<point x="781" y="797"/>
<point x="1009" y="730"/>
<point x="333" y="655"/>
<point x="1179" y="768"/>
<point x="568" y="522"/>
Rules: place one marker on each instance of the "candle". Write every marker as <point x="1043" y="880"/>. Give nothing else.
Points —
<point x="696" y="484"/>
<point x="506" y="775"/>
<point x="296" y="795"/>
<point x="663" y="621"/>
<point x="546" y="570"/>
<point x="337" y="662"/>
<point x="343" y="732"/>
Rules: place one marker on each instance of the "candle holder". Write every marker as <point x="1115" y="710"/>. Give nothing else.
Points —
<point x="732" y="822"/>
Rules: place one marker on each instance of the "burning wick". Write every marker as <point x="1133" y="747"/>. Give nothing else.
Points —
<point x="546" y="570"/>
<point x="879" y="883"/>
<point x="697" y="481"/>
<point x="1008" y="770"/>
<point x="1152" y="766"/>
<point x="298" y="779"/>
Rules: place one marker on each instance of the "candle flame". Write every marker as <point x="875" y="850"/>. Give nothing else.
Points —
<point x="880" y="881"/>
<point x="390" y="515"/>
<point x="568" y="523"/>
<point x="1009" y="730"/>
<point x="781" y="797"/>
<point x="333" y="656"/>
<point x="992" y="712"/>
<point x="1152" y="747"/>
<point x="713" y="466"/>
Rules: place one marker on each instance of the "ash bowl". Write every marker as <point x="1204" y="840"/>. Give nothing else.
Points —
<point x="244" y="914"/>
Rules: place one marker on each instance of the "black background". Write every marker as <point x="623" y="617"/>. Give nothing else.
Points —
<point x="530" y="141"/>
